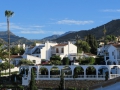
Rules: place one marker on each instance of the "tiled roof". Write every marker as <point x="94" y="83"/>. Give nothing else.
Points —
<point x="116" y="45"/>
<point x="15" y="56"/>
<point x="61" y="44"/>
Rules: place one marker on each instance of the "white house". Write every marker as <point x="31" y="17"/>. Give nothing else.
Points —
<point x="64" y="50"/>
<point x="111" y="53"/>
<point x="45" y="51"/>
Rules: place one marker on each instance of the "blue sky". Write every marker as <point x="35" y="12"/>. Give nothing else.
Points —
<point x="36" y="19"/>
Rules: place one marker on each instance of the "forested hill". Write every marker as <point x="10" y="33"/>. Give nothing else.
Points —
<point x="112" y="28"/>
<point x="13" y="38"/>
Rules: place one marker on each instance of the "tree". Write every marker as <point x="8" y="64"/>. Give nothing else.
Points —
<point x="43" y="71"/>
<point x="5" y="66"/>
<point x="16" y="50"/>
<point x="56" y="60"/>
<point x="55" y="57"/>
<point x="110" y="38"/>
<point x="82" y="46"/>
<point x="25" y="62"/>
<point x="92" y="43"/>
<point x="3" y="53"/>
<point x="65" y="61"/>
<point x="8" y="14"/>
<point x="0" y="68"/>
<point x="104" y="32"/>
<point x="32" y="81"/>
<point x="61" y="86"/>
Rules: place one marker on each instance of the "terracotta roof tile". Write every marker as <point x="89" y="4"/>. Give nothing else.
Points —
<point x="116" y="45"/>
<point x="16" y="56"/>
<point x="61" y="44"/>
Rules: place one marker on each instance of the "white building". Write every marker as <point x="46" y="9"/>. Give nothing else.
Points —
<point x="113" y="72"/>
<point x="45" y="51"/>
<point x="111" y="53"/>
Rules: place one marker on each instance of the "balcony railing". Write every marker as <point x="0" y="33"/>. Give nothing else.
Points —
<point x="91" y="76"/>
<point x="114" y="75"/>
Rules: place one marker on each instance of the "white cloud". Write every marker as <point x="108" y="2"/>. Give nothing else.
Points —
<point x="32" y="32"/>
<point x="75" y="22"/>
<point x="58" y="32"/>
<point x="111" y="10"/>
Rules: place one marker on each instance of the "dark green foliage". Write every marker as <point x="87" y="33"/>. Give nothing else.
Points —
<point x="13" y="87"/>
<point x="82" y="46"/>
<point x="92" y="43"/>
<point x="0" y="68"/>
<point x="13" y="50"/>
<point x="61" y="86"/>
<point x="90" y="71"/>
<point x="32" y="81"/>
<point x="43" y="71"/>
<point x="17" y="50"/>
<point x="55" y="57"/>
<point x="99" y="60"/>
<point x="2" y="52"/>
<point x="106" y="76"/>
<point x="78" y="71"/>
<point x="55" y="60"/>
<point x="65" y="61"/>
<point x="87" y="61"/>
<point x="5" y="66"/>
<point x="110" y="38"/>
<point x="25" y="62"/>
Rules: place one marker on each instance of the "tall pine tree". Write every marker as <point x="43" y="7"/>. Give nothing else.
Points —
<point x="32" y="82"/>
<point x="61" y="86"/>
<point x="92" y="43"/>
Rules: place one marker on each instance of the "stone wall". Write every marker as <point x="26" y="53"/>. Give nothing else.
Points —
<point x="68" y="83"/>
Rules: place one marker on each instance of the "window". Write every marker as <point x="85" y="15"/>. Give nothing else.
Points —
<point x="112" y="53"/>
<point x="62" y="50"/>
<point x="57" y="51"/>
<point x="34" y="61"/>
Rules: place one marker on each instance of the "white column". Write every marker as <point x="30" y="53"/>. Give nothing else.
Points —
<point x="96" y="73"/>
<point x="49" y="74"/>
<point x="37" y="72"/>
<point x="109" y="73"/>
<point x="84" y="73"/>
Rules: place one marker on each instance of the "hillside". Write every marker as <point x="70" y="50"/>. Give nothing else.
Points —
<point x="13" y="38"/>
<point x="112" y="28"/>
<point x="49" y="38"/>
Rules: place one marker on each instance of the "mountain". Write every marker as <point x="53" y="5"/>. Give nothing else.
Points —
<point x="67" y="33"/>
<point x="112" y="28"/>
<point x="49" y="38"/>
<point x="13" y="38"/>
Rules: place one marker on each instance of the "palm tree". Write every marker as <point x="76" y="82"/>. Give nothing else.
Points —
<point x="8" y="14"/>
<point x="104" y="32"/>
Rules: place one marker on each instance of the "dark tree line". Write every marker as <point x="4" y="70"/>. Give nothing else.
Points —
<point x="91" y="40"/>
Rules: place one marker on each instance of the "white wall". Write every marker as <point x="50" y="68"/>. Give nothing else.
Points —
<point x="12" y="70"/>
<point x="31" y="58"/>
